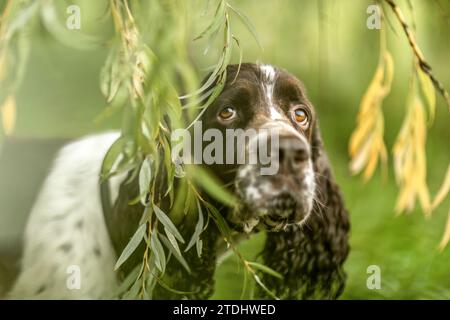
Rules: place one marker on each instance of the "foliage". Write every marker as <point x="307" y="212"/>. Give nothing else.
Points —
<point x="367" y="142"/>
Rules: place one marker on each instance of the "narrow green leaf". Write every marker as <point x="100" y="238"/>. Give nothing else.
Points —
<point x="199" y="247"/>
<point x="263" y="286"/>
<point x="212" y="185"/>
<point x="128" y="281"/>
<point x="145" y="178"/>
<point x="248" y="24"/>
<point x="198" y="228"/>
<point x="133" y="293"/>
<point x="216" y="23"/>
<point x="112" y="157"/>
<point x="241" y="51"/>
<point x="167" y="223"/>
<point x="177" y="256"/>
<point x="158" y="252"/>
<point x="244" y="286"/>
<point x="167" y="287"/>
<point x="172" y="240"/>
<point x="219" y="220"/>
<point x="131" y="246"/>
<point x="265" y="269"/>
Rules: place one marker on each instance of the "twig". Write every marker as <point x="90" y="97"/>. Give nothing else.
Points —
<point x="424" y="65"/>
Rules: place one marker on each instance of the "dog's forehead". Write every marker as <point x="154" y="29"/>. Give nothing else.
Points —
<point x="260" y="92"/>
<point x="271" y="81"/>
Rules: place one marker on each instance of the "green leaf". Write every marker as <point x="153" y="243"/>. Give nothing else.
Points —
<point x="167" y="287"/>
<point x="133" y="293"/>
<point x="217" y="75"/>
<point x="180" y="198"/>
<point x="173" y="241"/>
<point x="158" y="252"/>
<point x="198" y="228"/>
<point x="167" y="223"/>
<point x="248" y="24"/>
<point x="112" y="158"/>
<point x="145" y="178"/>
<point x="199" y="247"/>
<point x="131" y="246"/>
<point x="221" y="223"/>
<point x="177" y="256"/>
<point x="128" y="281"/>
<point x="169" y="169"/>
<point x="263" y="286"/>
<point x="246" y="286"/>
<point x="265" y="269"/>
<point x="212" y="186"/>
<point x="216" y="23"/>
<point x="241" y="51"/>
<point x="217" y="90"/>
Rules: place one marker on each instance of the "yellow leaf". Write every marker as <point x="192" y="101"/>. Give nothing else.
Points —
<point x="424" y="198"/>
<point x="360" y="135"/>
<point x="3" y="65"/>
<point x="404" y="199"/>
<point x="370" y="96"/>
<point x="428" y="91"/>
<point x="8" y="113"/>
<point x="373" y="159"/>
<point x="443" y="190"/>
<point x="446" y="237"/>
<point x="360" y="159"/>
<point x="366" y="143"/>
<point x="389" y="65"/>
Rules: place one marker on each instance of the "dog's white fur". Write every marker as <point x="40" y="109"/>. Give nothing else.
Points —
<point x="66" y="232"/>
<point x="269" y="80"/>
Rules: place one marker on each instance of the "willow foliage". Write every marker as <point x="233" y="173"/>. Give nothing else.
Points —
<point x="366" y="145"/>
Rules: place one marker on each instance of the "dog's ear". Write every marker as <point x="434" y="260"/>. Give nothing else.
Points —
<point x="310" y="257"/>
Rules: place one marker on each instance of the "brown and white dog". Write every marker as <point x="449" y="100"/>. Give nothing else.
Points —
<point x="300" y="207"/>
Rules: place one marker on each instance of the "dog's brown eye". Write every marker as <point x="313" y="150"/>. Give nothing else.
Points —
<point x="227" y="113"/>
<point x="300" y="116"/>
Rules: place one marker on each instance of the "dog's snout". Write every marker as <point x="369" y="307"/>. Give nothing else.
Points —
<point x="292" y="151"/>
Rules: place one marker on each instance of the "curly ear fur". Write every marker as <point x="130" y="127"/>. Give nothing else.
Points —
<point x="311" y="257"/>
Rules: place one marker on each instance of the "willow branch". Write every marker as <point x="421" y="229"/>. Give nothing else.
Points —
<point x="424" y="65"/>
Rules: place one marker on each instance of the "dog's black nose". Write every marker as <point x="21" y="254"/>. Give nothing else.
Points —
<point x="292" y="151"/>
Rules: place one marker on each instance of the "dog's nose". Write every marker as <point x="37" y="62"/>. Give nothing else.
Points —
<point x="292" y="152"/>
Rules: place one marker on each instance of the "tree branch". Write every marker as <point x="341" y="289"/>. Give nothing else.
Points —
<point x="424" y="65"/>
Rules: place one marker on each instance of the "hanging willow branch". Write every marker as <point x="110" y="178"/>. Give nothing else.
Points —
<point x="138" y="78"/>
<point x="366" y="145"/>
<point x="424" y="65"/>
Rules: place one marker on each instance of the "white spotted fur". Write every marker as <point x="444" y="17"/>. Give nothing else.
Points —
<point x="269" y="74"/>
<point x="70" y="196"/>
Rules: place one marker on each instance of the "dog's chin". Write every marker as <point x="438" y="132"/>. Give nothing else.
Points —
<point x="274" y="214"/>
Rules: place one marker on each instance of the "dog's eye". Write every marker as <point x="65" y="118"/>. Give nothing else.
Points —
<point x="227" y="113"/>
<point x="300" y="116"/>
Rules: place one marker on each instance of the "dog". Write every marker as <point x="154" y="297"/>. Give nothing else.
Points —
<point x="300" y="208"/>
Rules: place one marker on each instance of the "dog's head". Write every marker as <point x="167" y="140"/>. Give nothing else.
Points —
<point x="272" y="104"/>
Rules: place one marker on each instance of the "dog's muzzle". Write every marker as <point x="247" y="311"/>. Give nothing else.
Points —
<point x="285" y="195"/>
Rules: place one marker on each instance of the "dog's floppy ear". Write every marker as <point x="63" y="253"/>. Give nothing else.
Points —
<point x="310" y="257"/>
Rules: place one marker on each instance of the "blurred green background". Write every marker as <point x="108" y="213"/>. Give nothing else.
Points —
<point x="327" y="45"/>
